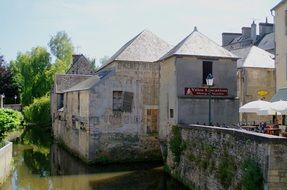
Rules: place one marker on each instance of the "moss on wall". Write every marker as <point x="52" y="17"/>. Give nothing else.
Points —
<point x="252" y="178"/>
<point x="176" y="144"/>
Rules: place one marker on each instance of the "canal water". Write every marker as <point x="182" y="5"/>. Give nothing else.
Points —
<point x="40" y="164"/>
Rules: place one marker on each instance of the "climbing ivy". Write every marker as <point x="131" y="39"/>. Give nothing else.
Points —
<point x="226" y="171"/>
<point x="252" y="176"/>
<point x="176" y="144"/>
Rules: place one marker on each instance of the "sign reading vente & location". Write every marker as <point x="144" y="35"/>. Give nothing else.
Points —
<point x="195" y="91"/>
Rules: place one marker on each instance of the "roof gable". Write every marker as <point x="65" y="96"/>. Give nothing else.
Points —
<point x="254" y="57"/>
<point x="279" y="4"/>
<point x="80" y="65"/>
<point x="145" y="47"/>
<point x="197" y="44"/>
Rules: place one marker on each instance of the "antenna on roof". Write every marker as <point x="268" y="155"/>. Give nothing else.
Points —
<point x="195" y="29"/>
<point x="77" y="49"/>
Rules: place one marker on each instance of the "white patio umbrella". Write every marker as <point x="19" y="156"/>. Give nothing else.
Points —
<point x="254" y="106"/>
<point x="279" y="106"/>
<point x="267" y="111"/>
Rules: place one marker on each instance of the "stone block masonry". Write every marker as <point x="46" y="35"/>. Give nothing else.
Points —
<point x="5" y="162"/>
<point x="221" y="158"/>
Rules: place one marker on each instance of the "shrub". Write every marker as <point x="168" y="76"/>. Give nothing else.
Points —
<point x="252" y="175"/>
<point x="9" y="120"/>
<point x="39" y="111"/>
<point x="226" y="171"/>
<point x="176" y="144"/>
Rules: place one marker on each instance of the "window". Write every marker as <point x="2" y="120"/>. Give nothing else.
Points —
<point x="206" y="69"/>
<point x="286" y="22"/>
<point x="117" y="100"/>
<point x="171" y="113"/>
<point x="60" y="101"/>
<point x="122" y="101"/>
<point x="79" y="101"/>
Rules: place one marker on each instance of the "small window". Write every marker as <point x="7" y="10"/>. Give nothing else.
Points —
<point x="60" y="101"/>
<point x="206" y="70"/>
<point x="79" y="101"/>
<point x="171" y="113"/>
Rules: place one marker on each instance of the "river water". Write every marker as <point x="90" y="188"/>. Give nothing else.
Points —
<point x="40" y="164"/>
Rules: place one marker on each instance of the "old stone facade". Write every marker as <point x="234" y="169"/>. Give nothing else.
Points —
<point x="255" y="72"/>
<point x="113" y="116"/>
<point x="280" y="17"/>
<point x="184" y="95"/>
<point x="79" y="71"/>
<point x="219" y="158"/>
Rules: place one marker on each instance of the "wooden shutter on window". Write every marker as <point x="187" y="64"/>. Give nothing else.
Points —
<point x="127" y="101"/>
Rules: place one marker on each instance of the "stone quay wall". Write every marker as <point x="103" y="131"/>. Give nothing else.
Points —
<point x="5" y="162"/>
<point x="204" y="157"/>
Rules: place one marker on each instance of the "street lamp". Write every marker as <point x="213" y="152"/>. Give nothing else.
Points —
<point x="2" y="96"/>
<point x="15" y="98"/>
<point x="209" y="82"/>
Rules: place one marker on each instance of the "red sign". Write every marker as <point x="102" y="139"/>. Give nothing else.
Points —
<point x="204" y="91"/>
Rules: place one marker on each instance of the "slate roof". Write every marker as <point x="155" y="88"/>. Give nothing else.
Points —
<point x="254" y="57"/>
<point x="267" y="42"/>
<point x="197" y="44"/>
<point x="276" y="6"/>
<point x="280" y="95"/>
<point x="90" y="82"/>
<point x="145" y="47"/>
<point x="76" y="57"/>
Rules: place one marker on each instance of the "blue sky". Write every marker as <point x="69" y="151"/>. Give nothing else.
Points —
<point x="100" y="27"/>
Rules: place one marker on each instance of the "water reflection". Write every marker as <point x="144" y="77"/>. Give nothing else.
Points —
<point x="39" y="167"/>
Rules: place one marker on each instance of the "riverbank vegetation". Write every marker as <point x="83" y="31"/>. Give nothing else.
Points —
<point x="38" y="112"/>
<point x="9" y="120"/>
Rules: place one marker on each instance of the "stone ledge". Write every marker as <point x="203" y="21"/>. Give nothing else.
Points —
<point x="239" y="133"/>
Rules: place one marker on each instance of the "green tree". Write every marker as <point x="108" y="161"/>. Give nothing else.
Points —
<point x="7" y="85"/>
<point x="39" y="111"/>
<point x="62" y="48"/>
<point x="104" y="60"/>
<point x="31" y="73"/>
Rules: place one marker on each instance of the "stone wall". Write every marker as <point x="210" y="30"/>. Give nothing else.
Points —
<point x="220" y="158"/>
<point x="250" y="81"/>
<point x="5" y="161"/>
<point x="89" y="127"/>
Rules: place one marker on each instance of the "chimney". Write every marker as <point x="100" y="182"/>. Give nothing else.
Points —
<point x="246" y="32"/>
<point x="265" y="28"/>
<point x="253" y="32"/>
<point x="228" y="37"/>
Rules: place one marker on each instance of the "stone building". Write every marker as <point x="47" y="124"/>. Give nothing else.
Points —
<point x="112" y="116"/>
<point x="183" y="97"/>
<point x="255" y="72"/>
<point x="280" y="20"/>
<point x="249" y="37"/>
<point x="79" y="71"/>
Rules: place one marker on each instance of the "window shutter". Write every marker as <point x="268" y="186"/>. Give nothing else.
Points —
<point x="127" y="101"/>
